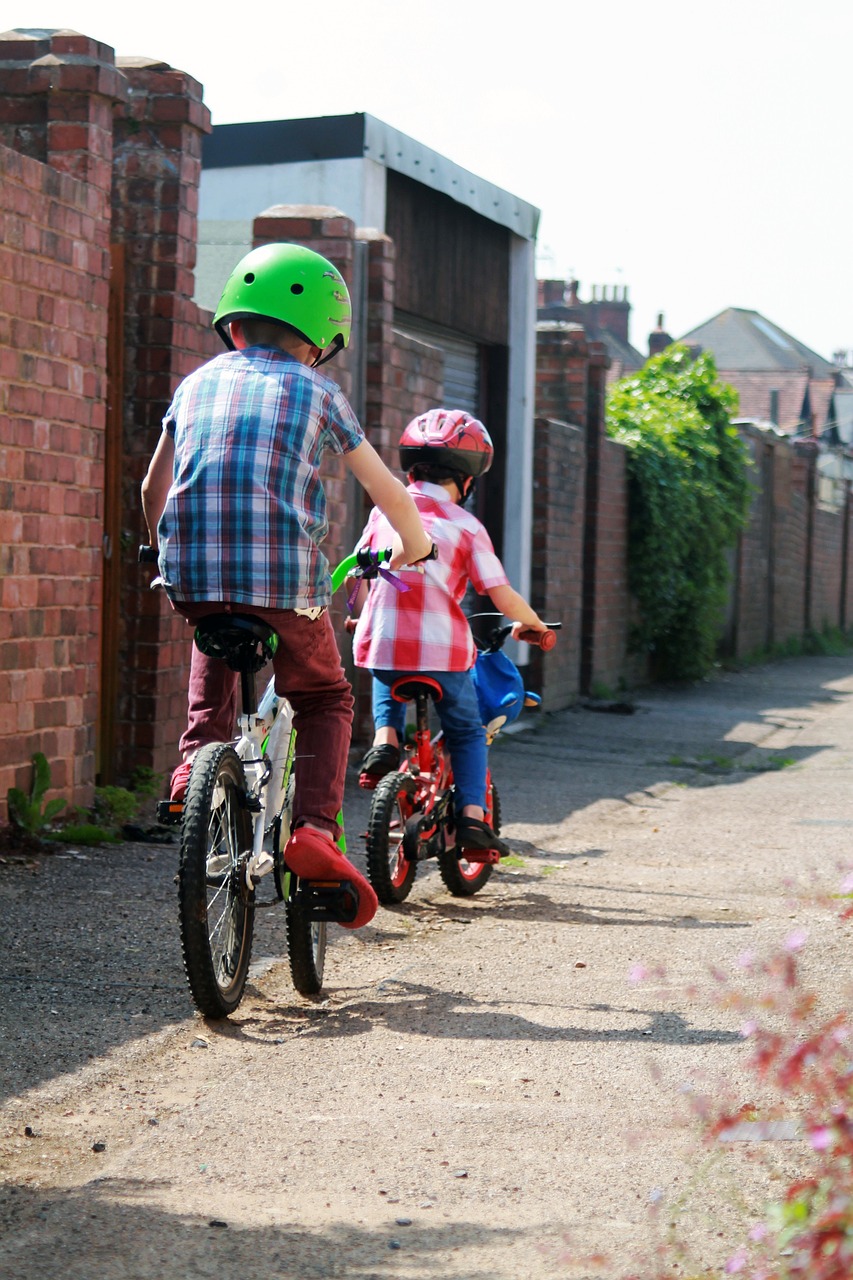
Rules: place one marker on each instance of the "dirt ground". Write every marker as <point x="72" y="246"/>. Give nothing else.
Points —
<point x="481" y="1092"/>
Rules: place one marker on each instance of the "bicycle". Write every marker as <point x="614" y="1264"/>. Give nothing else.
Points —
<point x="235" y="823"/>
<point x="412" y="810"/>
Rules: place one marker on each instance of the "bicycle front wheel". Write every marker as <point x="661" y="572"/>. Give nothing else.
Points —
<point x="217" y="908"/>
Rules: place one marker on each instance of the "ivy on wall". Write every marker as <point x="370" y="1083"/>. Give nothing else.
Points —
<point x="688" y="496"/>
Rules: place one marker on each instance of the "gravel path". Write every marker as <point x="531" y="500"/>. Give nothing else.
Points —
<point x="480" y="1093"/>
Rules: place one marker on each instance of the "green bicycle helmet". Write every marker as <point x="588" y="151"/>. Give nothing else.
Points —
<point x="292" y="285"/>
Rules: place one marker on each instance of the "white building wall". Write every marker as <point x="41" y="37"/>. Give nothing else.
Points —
<point x="230" y="200"/>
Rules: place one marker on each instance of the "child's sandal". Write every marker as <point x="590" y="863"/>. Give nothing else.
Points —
<point x="380" y="761"/>
<point x="471" y="833"/>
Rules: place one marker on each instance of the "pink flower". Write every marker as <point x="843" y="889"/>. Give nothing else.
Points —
<point x="758" y="1232"/>
<point x="638" y="973"/>
<point x="795" y="940"/>
<point x="821" y="1138"/>
<point x="736" y="1262"/>
<point x="749" y="1028"/>
<point x="847" y="883"/>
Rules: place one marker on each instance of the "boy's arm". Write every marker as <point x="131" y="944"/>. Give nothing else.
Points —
<point x="157" y="483"/>
<point x="514" y="606"/>
<point x="393" y="500"/>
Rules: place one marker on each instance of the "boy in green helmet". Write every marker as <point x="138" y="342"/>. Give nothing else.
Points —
<point x="234" y="502"/>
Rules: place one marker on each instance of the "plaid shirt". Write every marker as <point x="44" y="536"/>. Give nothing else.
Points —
<point x="246" y="511"/>
<point x="424" y="628"/>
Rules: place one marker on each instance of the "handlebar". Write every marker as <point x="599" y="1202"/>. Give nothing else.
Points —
<point x="363" y="563"/>
<point x="544" y="640"/>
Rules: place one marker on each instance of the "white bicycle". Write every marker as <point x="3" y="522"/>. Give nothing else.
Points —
<point x="235" y="822"/>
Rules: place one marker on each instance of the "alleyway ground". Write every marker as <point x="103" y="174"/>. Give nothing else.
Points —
<point x="481" y="1082"/>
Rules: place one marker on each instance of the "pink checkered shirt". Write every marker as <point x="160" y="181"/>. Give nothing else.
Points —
<point x="424" y="628"/>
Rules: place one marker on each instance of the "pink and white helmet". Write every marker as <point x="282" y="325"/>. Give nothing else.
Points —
<point x="450" y="438"/>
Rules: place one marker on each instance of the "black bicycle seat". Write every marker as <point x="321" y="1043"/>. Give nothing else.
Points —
<point x="243" y="642"/>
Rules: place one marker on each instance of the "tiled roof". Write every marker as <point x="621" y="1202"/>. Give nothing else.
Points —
<point x="745" y="341"/>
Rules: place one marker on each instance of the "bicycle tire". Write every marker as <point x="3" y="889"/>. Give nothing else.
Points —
<point x="391" y="874"/>
<point x="306" y="950"/>
<point x="216" y="907"/>
<point x="463" y="878"/>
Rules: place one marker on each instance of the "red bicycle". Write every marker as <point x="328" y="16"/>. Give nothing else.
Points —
<point x="412" y="811"/>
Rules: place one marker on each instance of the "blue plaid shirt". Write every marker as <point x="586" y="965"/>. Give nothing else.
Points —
<point x="246" y="512"/>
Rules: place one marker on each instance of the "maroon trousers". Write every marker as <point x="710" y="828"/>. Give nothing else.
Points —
<point x="308" y="672"/>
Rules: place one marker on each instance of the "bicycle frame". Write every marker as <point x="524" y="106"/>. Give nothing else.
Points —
<point x="266" y="745"/>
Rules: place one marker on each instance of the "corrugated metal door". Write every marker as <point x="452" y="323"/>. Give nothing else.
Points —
<point x="461" y="362"/>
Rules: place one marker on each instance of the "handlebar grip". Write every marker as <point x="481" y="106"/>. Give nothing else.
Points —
<point x="147" y="555"/>
<point x="543" y="640"/>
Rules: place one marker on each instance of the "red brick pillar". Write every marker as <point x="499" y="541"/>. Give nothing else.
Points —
<point x="561" y="372"/>
<point x="59" y="88"/>
<point x="332" y="233"/>
<point x="327" y="231"/>
<point x="56" y="104"/>
<point x="156" y="171"/>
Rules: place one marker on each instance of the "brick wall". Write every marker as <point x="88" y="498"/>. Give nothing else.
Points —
<point x="611" y="603"/>
<point x="559" y="462"/>
<point x="791" y="565"/>
<point x="165" y="335"/>
<point x="55" y="116"/>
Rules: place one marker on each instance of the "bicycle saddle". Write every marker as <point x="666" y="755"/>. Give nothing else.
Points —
<point x="407" y="688"/>
<point x="243" y="642"/>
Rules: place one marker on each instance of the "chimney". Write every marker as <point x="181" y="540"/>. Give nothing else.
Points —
<point x="550" y="291"/>
<point x="659" y="339"/>
<point x="612" y="310"/>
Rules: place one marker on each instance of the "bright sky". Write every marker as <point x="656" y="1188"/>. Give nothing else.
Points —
<point x="699" y="154"/>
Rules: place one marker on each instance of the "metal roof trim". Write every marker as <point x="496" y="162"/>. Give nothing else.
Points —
<point x="349" y="136"/>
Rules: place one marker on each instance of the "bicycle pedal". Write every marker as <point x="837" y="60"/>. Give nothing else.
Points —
<point x="368" y="781"/>
<point x="332" y="900"/>
<point x="257" y="867"/>
<point x="170" y="812"/>
<point x="479" y="855"/>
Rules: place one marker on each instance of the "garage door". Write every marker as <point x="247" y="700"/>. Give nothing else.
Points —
<point x="461" y="362"/>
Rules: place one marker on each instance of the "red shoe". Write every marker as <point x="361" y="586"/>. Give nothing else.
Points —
<point x="180" y="778"/>
<point x="314" y="856"/>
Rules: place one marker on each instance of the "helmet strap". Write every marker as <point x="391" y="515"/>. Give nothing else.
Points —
<point x="330" y="353"/>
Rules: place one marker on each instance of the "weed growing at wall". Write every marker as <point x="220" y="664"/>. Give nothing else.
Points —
<point x="687" y="499"/>
<point x="799" y="1036"/>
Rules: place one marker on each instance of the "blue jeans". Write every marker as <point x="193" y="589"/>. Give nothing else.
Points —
<point x="459" y="715"/>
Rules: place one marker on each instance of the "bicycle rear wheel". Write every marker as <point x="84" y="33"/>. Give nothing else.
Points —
<point x="463" y="878"/>
<point x="306" y="950"/>
<point x="217" y="909"/>
<point x="390" y="872"/>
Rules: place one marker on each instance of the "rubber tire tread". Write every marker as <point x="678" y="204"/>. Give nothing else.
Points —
<point x="210" y="999"/>
<point x="383" y="810"/>
<point x="306" y="964"/>
<point x="448" y="862"/>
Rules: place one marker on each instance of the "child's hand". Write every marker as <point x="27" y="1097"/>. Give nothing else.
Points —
<point x="538" y="625"/>
<point x="402" y="555"/>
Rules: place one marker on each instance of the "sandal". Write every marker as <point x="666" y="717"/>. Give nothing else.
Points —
<point x="471" y="833"/>
<point x="380" y="761"/>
